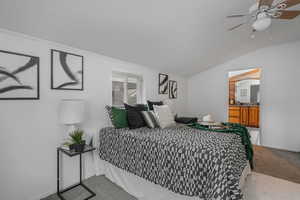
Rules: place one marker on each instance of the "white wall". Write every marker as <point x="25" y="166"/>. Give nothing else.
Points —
<point x="30" y="131"/>
<point x="279" y="92"/>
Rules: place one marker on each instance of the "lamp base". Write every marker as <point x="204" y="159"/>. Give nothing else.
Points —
<point x="72" y="128"/>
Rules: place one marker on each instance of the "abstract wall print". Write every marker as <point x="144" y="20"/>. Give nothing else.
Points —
<point x="66" y="71"/>
<point x="19" y="76"/>
<point x="173" y="89"/>
<point x="163" y="83"/>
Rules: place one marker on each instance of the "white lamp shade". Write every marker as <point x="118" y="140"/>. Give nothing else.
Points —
<point x="71" y="111"/>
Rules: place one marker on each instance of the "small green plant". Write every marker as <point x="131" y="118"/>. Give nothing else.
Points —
<point x="76" y="136"/>
<point x="76" y="141"/>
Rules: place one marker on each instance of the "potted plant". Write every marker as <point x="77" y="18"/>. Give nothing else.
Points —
<point x="76" y="141"/>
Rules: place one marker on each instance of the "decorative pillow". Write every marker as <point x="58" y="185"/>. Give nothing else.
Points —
<point x="137" y="107"/>
<point x="117" y="116"/>
<point x="134" y="115"/>
<point x="152" y="103"/>
<point x="150" y="118"/>
<point x="109" y="112"/>
<point x="164" y="115"/>
<point x="186" y="120"/>
<point x="135" y="120"/>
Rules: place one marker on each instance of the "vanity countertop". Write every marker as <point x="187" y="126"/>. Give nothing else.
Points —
<point x="244" y="105"/>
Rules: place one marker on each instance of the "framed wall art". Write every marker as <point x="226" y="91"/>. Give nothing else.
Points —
<point x="66" y="71"/>
<point x="19" y="76"/>
<point x="163" y="83"/>
<point x="172" y="89"/>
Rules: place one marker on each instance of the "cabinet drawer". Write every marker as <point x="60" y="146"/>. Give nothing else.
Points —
<point x="234" y="108"/>
<point x="234" y="119"/>
<point x="234" y="113"/>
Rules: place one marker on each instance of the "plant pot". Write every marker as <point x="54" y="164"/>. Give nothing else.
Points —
<point x="78" y="147"/>
<point x="71" y="147"/>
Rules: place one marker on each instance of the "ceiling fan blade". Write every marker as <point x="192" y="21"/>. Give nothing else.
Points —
<point x="265" y="3"/>
<point x="287" y="3"/>
<point x="287" y="14"/>
<point x="232" y="16"/>
<point x="235" y="27"/>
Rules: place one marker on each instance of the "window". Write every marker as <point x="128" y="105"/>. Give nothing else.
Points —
<point x="244" y="92"/>
<point x="126" y="88"/>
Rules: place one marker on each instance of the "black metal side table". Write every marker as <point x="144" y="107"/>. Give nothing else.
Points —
<point x="72" y="154"/>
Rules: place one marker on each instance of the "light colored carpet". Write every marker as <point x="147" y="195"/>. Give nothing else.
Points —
<point x="257" y="187"/>
<point x="278" y="163"/>
<point x="264" y="187"/>
<point x="103" y="187"/>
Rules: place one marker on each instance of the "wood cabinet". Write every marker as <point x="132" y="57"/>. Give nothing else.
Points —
<point x="245" y="115"/>
<point x="254" y="116"/>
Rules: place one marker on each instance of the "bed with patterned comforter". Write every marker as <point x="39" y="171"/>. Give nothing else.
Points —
<point x="184" y="160"/>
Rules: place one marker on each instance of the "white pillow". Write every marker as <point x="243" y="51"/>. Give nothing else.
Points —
<point x="164" y="115"/>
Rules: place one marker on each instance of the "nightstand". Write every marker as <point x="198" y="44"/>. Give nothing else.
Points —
<point x="72" y="154"/>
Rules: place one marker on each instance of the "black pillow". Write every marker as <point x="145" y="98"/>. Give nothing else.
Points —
<point x="137" y="107"/>
<point x="134" y="115"/>
<point x="157" y="103"/>
<point x="134" y="119"/>
<point x="186" y="120"/>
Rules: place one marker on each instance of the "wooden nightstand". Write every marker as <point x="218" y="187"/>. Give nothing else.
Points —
<point x="72" y="154"/>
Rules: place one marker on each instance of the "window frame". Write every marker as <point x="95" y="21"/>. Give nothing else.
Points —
<point x="126" y="76"/>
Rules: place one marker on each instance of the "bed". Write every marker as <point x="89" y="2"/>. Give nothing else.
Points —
<point x="173" y="163"/>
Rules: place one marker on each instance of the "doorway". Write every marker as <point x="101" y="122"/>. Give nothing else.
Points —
<point x="244" y="99"/>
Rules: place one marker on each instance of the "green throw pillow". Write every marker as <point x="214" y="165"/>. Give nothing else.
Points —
<point x="119" y="117"/>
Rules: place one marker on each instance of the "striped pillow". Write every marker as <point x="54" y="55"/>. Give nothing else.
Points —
<point x="109" y="112"/>
<point x="150" y="119"/>
<point x="117" y="116"/>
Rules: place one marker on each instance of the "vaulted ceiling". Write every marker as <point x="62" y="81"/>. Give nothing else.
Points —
<point x="177" y="36"/>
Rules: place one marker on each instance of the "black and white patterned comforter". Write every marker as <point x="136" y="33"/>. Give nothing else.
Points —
<point x="184" y="160"/>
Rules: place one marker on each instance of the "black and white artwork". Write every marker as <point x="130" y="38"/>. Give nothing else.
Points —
<point x="163" y="84"/>
<point x="173" y="89"/>
<point x="19" y="76"/>
<point x="66" y="71"/>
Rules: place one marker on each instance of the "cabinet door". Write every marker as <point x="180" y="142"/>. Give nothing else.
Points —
<point x="244" y="115"/>
<point x="234" y="114"/>
<point x="254" y="116"/>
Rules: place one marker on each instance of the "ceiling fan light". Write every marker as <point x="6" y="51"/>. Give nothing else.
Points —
<point x="262" y="15"/>
<point x="262" y="24"/>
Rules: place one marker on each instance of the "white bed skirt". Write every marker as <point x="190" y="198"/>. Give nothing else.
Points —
<point x="139" y="187"/>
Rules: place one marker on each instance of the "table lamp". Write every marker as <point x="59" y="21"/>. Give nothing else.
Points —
<point x="71" y="113"/>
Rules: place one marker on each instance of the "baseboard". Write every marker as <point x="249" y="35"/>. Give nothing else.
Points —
<point x="279" y="148"/>
<point x="44" y="195"/>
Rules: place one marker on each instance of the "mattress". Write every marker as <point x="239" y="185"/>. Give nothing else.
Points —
<point x="185" y="161"/>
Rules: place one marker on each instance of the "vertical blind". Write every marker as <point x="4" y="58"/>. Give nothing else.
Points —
<point x="126" y="88"/>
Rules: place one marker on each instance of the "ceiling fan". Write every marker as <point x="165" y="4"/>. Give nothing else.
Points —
<point x="263" y="12"/>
